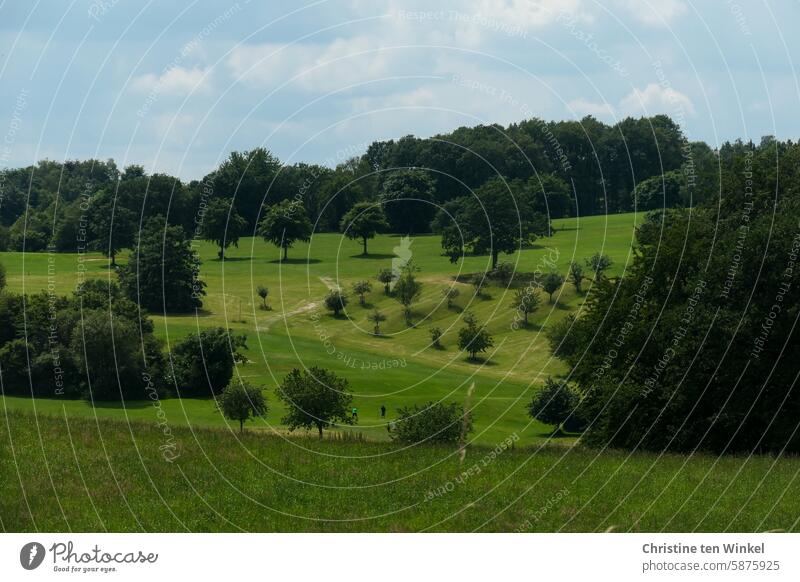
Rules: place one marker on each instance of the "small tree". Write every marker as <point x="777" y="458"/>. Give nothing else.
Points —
<point x="361" y="289"/>
<point x="284" y="224"/>
<point x="407" y="290"/>
<point x="363" y="221"/>
<point x="599" y="263"/>
<point x="377" y="317"/>
<point x="385" y="276"/>
<point x="555" y="404"/>
<point x="315" y="398"/>
<point x="551" y="283"/>
<point x="526" y="301"/>
<point x="474" y="338"/>
<point x="450" y="294"/>
<point x="431" y="422"/>
<point x="478" y="282"/>
<point x="222" y="225"/>
<point x="336" y="301"/>
<point x="576" y="275"/>
<point x="263" y="292"/>
<point x="241" y="401"/>
<point x="436" y="336"/>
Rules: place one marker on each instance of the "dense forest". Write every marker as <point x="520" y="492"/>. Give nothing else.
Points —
<point x="564" y="168"/>
<point x="695" y="348"/>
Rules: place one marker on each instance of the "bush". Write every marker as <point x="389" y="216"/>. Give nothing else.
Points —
<point x="203" y="364"/>
<point x="436" y="336"/>
<point x="336" y="301"/>
<point x="431" y="422"/>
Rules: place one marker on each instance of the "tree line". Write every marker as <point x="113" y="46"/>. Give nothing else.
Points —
<point x="555" y="169"/>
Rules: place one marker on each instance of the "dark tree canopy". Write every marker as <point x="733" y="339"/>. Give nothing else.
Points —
<point x="557" y="403"/>
<point x="495" y="220"/>
<point x="111" y="226"/>
<point x="408" y="200"/>
<point x="692" y="365"/>
<point x="162" y="274"/>
<point x="203" y="364"/>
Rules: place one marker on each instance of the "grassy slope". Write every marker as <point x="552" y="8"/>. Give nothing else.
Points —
<point x="84" y="475"/>
<point x="276" y="345"/>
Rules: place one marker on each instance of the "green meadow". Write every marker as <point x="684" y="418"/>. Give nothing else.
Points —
<point x="78" y="474"/>
<point x="396" y="369"/>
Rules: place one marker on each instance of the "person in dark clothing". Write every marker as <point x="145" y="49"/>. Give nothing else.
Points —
<point x="383" y="411"/>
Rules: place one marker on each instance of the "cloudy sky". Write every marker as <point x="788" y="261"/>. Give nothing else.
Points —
<point x="175" y="86"/>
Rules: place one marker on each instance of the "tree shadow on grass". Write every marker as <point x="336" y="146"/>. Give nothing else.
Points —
<point x="380" y="256"/>
<point x="478" y="360"/>
<point x="295" y="261"/>
<point x="530" y="326"/>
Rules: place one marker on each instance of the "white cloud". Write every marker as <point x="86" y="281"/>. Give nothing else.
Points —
<point x="528" y="12"/>
<point x="655" y="99"/>
<point x="652" y="100"/>
<point x="175" y="81"/>
<point x="653" y="12"/>
<point x="319" y="67"/>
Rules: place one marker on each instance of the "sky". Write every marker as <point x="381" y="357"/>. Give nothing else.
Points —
<point x="176" y="86"/>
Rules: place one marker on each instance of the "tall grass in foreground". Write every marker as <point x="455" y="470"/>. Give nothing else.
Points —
<point x="87" y="475"/>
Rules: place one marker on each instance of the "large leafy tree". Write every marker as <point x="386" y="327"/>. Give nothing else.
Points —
<point x="222" y="224"/>
<point x="246" y="178"/>
<point x="363" y="221"/>
<point x="203" y="363"/>
<point x="111" y="226"/>
<point x="495" y="220"/>
<point x="408" y="199"/>
<point x="284" y="224"/>
<point x="163" y="272"/>
<point x="315" y="398"/>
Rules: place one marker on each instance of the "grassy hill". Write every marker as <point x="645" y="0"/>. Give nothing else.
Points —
<point x="68" y="474"/>
<point x="396" y="369"/>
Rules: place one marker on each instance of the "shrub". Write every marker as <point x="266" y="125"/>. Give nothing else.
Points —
<point x="203" y="364"/>
<point x="431" y="422"/>
<point x="336" y="301"/>
<point x="436" y="336"/>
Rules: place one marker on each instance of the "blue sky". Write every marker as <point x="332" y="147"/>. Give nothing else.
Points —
<point x="175" y="86"/>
